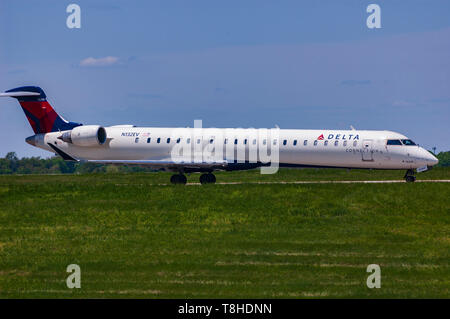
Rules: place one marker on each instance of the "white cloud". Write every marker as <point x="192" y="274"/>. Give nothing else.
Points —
<point x="106" y="61"/>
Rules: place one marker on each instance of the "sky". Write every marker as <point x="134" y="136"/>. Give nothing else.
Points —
<point x="296" y="64"/>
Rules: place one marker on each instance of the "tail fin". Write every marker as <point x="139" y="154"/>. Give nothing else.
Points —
<point x="40" y="114"/>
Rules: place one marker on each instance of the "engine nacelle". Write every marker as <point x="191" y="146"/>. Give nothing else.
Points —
<point x="86" y="135"/>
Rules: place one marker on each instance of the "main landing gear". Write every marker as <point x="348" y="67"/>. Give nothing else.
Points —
<point x="207" y="178"/>
<point x="409" y="176"/>
<point x="178" y="179"/>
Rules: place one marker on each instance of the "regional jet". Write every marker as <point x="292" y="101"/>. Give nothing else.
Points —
<point x="205" y="150"/>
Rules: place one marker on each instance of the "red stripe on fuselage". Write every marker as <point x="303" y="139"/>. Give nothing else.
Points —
<point x="43" y="112"/>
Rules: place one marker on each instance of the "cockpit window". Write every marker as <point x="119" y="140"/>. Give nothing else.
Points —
<point x="394" y="142"/>
<point x="408" y="142"/>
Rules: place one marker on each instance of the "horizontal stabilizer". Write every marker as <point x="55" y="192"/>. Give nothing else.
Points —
<point x="19" y="94"/>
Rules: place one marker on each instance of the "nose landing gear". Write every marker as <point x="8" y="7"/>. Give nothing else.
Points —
<point x="207" y="178"/>
<point x="178" y="179"/>
<point x="409" y="176"/>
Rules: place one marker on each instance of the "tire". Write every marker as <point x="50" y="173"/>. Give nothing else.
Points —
<point x="183" y="179"/>
<point x="211" y="178"/>
<point x="204" y="179"/>
<point x="174" y="179"/>
<point x="208" y="178"/>
<point x="410" y="179"/>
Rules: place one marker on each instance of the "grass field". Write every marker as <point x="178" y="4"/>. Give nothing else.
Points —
<point x="133" y="237"/>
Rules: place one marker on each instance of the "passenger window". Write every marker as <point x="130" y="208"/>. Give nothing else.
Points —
<point x="336" y="143"/>
<point x="211" y="141"/>
<point x="394" y="142"/>
<point x="254" y="142"/>
<point x="198" y="141"/>
<point x="136" y="140"/>
<point x="148" y="140"/>
<point x="158" y="140"/>
<point x="345" y="143"/>
<point x="178" y="140"/>
<point x="188" y="141"/>
<point x="295" y="142"/>
<point x="168" y="140"/>
<point x="264" y="142"/>
<point x="355" y="143"/>
<point x="225" y="141"/>
<point x="284" y="142"/>
<point x="305" y="142"/>
<point x="315" y="143"/>
<point x="235" y="141"/>
<point x="275" y="142"/>
<point x="245" y="141"/>
<point x="325" y="143"/>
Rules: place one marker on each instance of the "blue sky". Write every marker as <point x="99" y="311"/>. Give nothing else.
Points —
<point x="296" y="64"/>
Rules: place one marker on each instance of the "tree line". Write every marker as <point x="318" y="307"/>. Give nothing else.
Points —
<point x="11" y="164"/>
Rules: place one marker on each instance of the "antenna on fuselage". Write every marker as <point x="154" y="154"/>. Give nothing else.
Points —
<point x="353" y="129"/>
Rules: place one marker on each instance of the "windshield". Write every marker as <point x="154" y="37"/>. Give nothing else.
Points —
<point x="408" y="142"/>
<point x="394" y="142"/>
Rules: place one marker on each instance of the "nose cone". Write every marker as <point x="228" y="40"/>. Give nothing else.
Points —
<point x="31" y="140"/>
<point x="429" y="158"/>
<point x="432" y="159"/>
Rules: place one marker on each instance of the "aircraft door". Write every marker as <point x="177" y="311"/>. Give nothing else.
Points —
<point x="367" y="150"/>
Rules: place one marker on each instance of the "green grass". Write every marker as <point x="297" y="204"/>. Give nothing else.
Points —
<point x="135" y="238"/>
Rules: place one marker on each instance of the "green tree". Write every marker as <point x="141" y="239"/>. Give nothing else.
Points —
<point x="11" y="156"/>
<point x="444" y="159"/>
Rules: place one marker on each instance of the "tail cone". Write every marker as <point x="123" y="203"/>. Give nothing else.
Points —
<point x="31" y="140"/>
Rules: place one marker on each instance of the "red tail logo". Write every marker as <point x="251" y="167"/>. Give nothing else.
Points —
<point x="320" y="137"/>
<point x="40" y="114"/>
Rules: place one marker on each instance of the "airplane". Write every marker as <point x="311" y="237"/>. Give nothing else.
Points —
<point x="232" y="149"/>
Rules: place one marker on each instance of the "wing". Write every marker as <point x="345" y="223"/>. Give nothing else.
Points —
<point x="163" y="164"/>
<point x="168" y="164"/>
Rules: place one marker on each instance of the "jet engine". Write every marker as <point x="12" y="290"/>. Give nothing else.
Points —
<point x="86" y="135"/>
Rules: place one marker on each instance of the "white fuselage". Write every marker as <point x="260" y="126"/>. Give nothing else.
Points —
<point x="337" y="148"/>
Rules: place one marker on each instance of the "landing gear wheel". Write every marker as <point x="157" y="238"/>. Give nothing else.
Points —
<point x="183" y="179"/>
<point x="178" y="179"/>
<point x="203" y="179"/>
<point x="409" y="176"/>
<point x="211" y="178"/>
<point x="410" y="179"/>
<point x="207" y="178"/>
